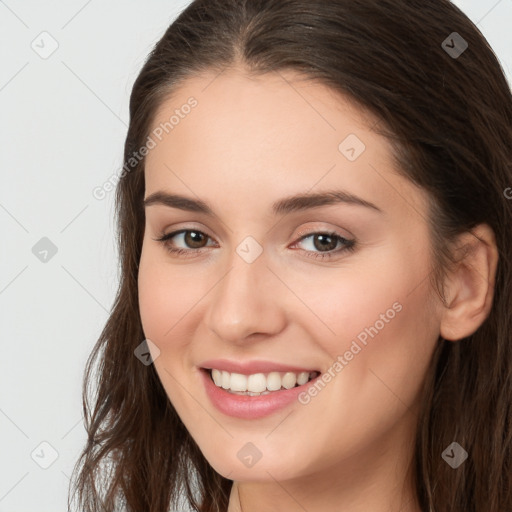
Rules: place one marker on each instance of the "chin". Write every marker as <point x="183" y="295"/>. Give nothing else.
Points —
<point x="263" y="470"/>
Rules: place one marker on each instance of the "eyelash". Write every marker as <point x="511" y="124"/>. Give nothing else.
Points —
<point x="349" y="244"/>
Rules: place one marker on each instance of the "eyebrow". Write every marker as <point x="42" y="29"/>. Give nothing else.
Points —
<point x="283" y="206"/>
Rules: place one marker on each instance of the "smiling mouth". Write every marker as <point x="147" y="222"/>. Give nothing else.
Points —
<point x="259" y="383"/>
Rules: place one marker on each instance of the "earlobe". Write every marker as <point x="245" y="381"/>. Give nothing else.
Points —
<point x="470" y="286"/>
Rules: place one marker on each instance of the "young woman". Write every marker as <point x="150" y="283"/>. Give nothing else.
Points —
<point x="314" y="310"/>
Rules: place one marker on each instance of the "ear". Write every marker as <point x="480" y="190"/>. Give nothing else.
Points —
<point x="469" y="287"/>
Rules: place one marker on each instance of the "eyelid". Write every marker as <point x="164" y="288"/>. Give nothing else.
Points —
<point x="303" y="233"/>
<point x="318" y="229"/>
<point x="348" y="244"/>
<point x="165" y="237"/>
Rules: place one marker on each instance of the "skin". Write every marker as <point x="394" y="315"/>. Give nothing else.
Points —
<point x="249" y="142"/>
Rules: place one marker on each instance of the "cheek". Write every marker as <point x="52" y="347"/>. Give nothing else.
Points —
<point x="154" y="299"/>
<point x="343" y="302"/>
<point x="377" y="318"/>
<point x="165" y="297"/>
<point x="376" y="360"/>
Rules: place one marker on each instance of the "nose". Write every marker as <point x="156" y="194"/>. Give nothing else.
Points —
<point x="247" y="301"/>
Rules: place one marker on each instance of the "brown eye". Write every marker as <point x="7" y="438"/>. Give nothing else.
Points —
<point x="187" y="241"/>
<point x="324" y="242"/>
<point x="325" y="245"/>
<point x="195" y="239"/>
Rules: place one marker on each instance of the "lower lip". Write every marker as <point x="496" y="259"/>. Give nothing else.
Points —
<point x="250" y="407"/>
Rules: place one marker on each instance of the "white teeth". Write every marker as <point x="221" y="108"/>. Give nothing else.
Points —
<point x="217" y="377"/>
<point x="226" y="380"/>
<point x="302" y="378"/>
<point x="256" y="383"/>
<point x="259" y="383"/>
<point x="289" y="380"/>
<point x="239" y="382"/>
<point x="273" y="381"/>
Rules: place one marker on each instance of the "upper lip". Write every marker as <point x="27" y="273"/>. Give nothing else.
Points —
<point x="251" y="367"/>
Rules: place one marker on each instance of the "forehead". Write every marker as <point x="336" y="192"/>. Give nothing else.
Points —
<point x="268" y="136"/>
<point x="234" y="102"/>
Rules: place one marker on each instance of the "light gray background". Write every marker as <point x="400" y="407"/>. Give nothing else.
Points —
<point x="62" y="125"/>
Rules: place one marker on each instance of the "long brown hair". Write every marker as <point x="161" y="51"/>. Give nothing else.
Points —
<point x="449" y="119"/>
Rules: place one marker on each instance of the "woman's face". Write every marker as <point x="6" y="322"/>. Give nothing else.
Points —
<point x="304" y="252"/>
